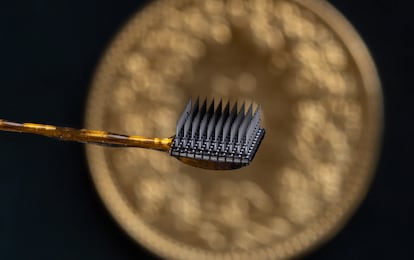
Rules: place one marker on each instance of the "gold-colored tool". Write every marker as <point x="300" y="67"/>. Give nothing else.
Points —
<point x="87" y="136"/>
<point x="206" y="137"/>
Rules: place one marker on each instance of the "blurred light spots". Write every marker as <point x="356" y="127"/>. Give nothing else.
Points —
<point x="150" y="194"/>
<point x="151" y="190"/>
<point x="322" y="69"/>
<point x="184" y="184"/>
<point x="334" y="83"/>
<point x="196" y="49"/>
<point x="338" y="144"/>
<point x="280" y="226"/>
<point x="168" y="119"/>
<point x="335" y="55"/>
<point x="214" y="6"/>
<point x="123" y="95"/>
<point x="307" y="133"/>
<point x="226" y="188"/>
<point x="244" y="240"/>
<point x="302" y="84"/>
<point x="298" y="196"/>
<point x="159" y="163"/>
<point x="187" y="212"/>
<point x="221" y="33"/>
<point x="209" y="232"/>
<point x="221" y="85"/>
<point x="302" y="29"/>
<point x="261" y="6"/>
<point x="176" y="41"/>
<point x="216" y="241"/>
<point x="174" y="67"/>
<point x="141" y="82"/>
<point x="247" y="82"/>
<point x="275" y="39"/>
<point x="232" y="204"/>
<point x="308" y="67"/>
<point x="293" y="178"/>
<point x="323" y="35"/>
<point x="131" y="123"/>
<point x="353" y="119"/>
<point x="266" y="35"/>
<point x="329" y="179"/>
<point x="311" y="112"/>
<point x="237" y="11"/>
<point x="256" y="196"/>
<point x="295" y="25"/>
<point x="286" y="11"/>
<point x="278" y="62"/>
<point x="160" y="39"/>
<point x="156" y="86"/>
<point x="262" y="234"/>
<point x="307" y="54"/>
<point x="125" y="161"/>
<point x="136" y="63"/>
<point x="127" y="157"/>
<point x="173" y="16"/>
<point x="316" y="131"/>
<point x="196" y="22"/>
<point x="236" y="7"/>
<point x="234" y="211"/>
<point x="302" y="152"/>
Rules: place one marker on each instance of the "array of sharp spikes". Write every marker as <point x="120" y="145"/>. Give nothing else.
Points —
<point x="228" y="129"/>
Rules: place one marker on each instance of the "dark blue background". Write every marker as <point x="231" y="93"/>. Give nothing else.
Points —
<point x="48" y="205"/>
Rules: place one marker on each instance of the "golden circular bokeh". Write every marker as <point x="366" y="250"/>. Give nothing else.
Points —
<point x="322" y="110"/>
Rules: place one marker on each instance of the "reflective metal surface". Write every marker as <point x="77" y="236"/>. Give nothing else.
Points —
<point x="321" y="104"/>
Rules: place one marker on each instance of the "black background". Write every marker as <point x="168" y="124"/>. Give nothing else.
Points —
<point x="48" y="205"/>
